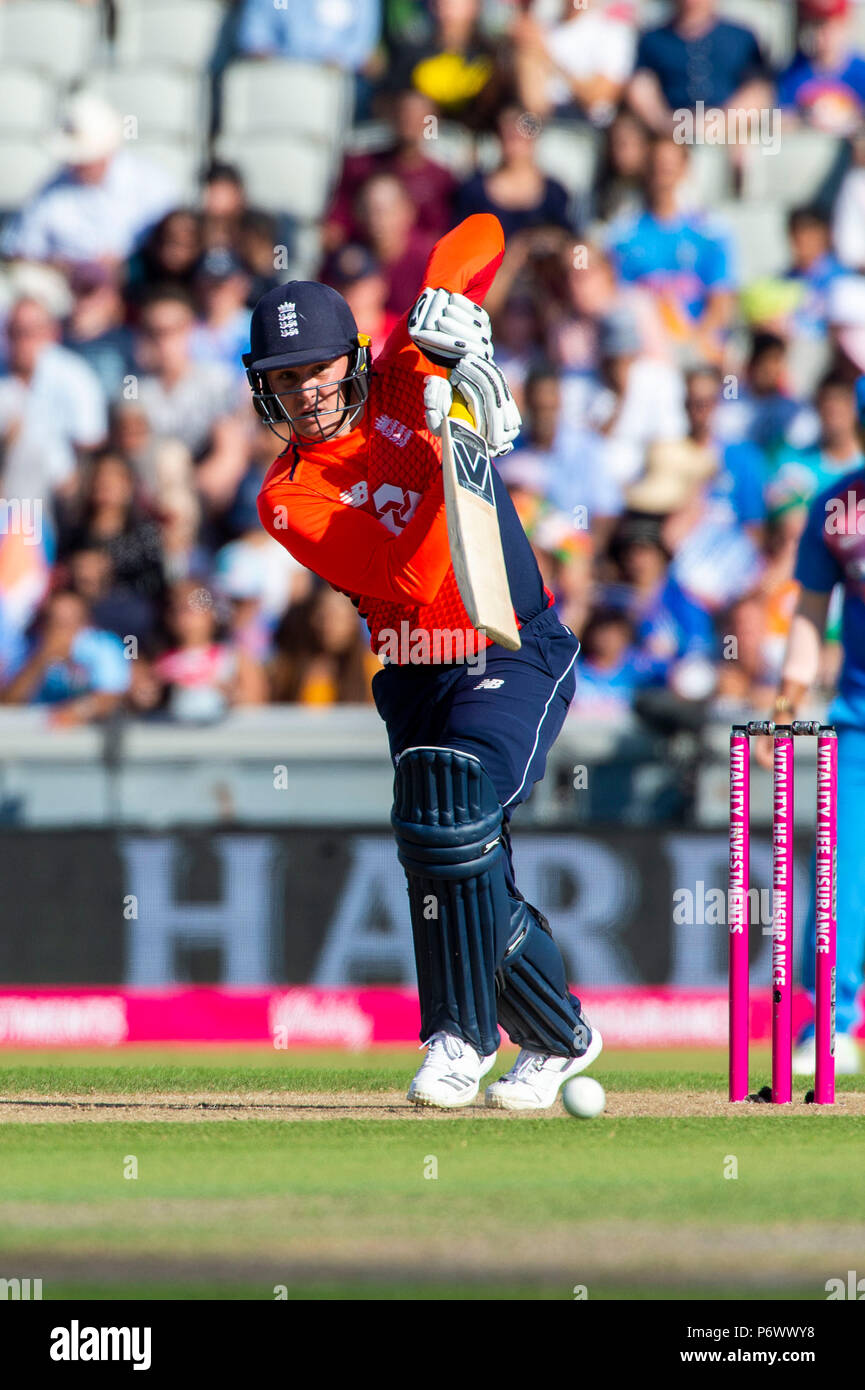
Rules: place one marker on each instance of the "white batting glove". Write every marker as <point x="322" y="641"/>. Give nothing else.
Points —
<point x="448" y="325"/>
<point x="486" y="393"/>
<point x="438" y="399"/>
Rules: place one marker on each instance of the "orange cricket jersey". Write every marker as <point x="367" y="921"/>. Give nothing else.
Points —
<point x="366" y="511"/>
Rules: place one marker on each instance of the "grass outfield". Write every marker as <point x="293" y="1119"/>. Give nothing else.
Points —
<point x="371" y="1199"/>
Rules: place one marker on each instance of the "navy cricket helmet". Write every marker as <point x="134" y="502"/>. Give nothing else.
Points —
<point x="300" y="323"/>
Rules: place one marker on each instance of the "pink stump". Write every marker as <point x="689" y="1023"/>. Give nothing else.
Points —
<point x="827" y="854"/>
<point x="737" y="907"/>
<point x="782" y="919"/>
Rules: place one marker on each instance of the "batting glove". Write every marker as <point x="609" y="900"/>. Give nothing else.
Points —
<point x="438" y="399"/>
<point x="448" y="326"/>
<point x="483" y="387"/>
<point x="487" y="395"/>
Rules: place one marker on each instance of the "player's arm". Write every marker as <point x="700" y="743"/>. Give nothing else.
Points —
<point x="452" y="333"/>
<point x="802" y="658"/>
<point x="353" y="551"/>
<point x="464" y="263"/>
<point x="801" y="664"/>
<point x="817" y="571"/>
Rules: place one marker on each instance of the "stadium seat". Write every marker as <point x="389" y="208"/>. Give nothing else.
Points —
<point x="773" y="21"/>
<point x="711" y="175"/>
<point x="807" y="360"/>
<point x="653" y="13"/>
<point x="858" y="28"/>
<point x="568" y="154"/>
<point x="165" y="31"/>
<point x="56" y="36"/>
<point x="758" y="235"/>
<point x="282" y="175"/>
<point x="454" y="147"/>
<point x="278" y="96"/>
<point x="368" y="137"/>
<point x="165" y="101"/>
<point x="306" y="252"/>
<point x="24" y="166"/>
<point x="795" y="173"/>
<point x="28" y="102"/>
<point x="180" y="159"/>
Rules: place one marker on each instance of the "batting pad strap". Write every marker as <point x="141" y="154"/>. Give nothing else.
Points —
<point x="536" y="1008"/>
<point x="448" y="821"/>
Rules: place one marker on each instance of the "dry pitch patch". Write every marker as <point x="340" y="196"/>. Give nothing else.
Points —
<point x="187" y="1108"/>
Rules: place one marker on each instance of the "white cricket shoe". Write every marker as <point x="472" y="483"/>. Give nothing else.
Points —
<point x="847" y="1059"/>
<point x="450" y="1074"/>
<point x="533" y="1081"/>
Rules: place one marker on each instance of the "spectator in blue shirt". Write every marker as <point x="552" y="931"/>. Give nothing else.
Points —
<point x="11" y="641"/>
<point x="96" y="329"/>
<point x="696" y="57"/>
<point x="561" y="462"/>
<point x="676" y="256"/>
<point x="75" y="668"/>
<point x="801" y="473"/>
<point x="763" y="410"/>
<point x="610" y="670"/>
<point x="814" y="267"/>
<point x="824" y="86"/>
<point x="222" y="332"/>
<point x="736" y="490"/>
<point x="344" y="33"/>
<point x="669" y="624"/>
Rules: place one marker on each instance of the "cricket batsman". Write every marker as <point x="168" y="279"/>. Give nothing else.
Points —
<point x="832" y="552"/>
<point x="357" y="497"/>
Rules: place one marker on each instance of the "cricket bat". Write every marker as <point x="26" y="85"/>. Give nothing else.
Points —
<point x="473" y="528"/>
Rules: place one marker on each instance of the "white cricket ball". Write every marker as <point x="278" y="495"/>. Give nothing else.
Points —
<point x="583" y="1097"/>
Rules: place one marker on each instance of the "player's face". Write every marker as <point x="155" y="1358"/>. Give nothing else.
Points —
<point x="308" y="392"/>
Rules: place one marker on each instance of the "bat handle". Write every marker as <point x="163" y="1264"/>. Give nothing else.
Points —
<point x="460" y="411"/>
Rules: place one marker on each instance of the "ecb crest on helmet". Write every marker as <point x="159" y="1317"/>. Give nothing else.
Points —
<point x="287" y="320"/>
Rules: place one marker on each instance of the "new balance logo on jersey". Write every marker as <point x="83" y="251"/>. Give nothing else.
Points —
<point x="489" y="684"/>
<point x="287" y="320"/>
<point x="394" y="430"/>
<point x="355" y="496"/>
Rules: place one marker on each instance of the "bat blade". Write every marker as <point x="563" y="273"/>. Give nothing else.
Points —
<point x="473" y="532"/>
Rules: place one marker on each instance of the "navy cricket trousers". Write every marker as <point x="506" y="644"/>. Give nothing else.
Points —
<point x="509" y="714"/>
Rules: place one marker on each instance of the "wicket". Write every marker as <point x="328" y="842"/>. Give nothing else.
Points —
<point x="781" y="1090"/>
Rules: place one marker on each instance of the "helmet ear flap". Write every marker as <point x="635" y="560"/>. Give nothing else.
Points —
<point x="258" y="387"/>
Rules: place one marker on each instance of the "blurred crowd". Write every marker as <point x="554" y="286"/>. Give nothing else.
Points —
<point x="679" y="415"/>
